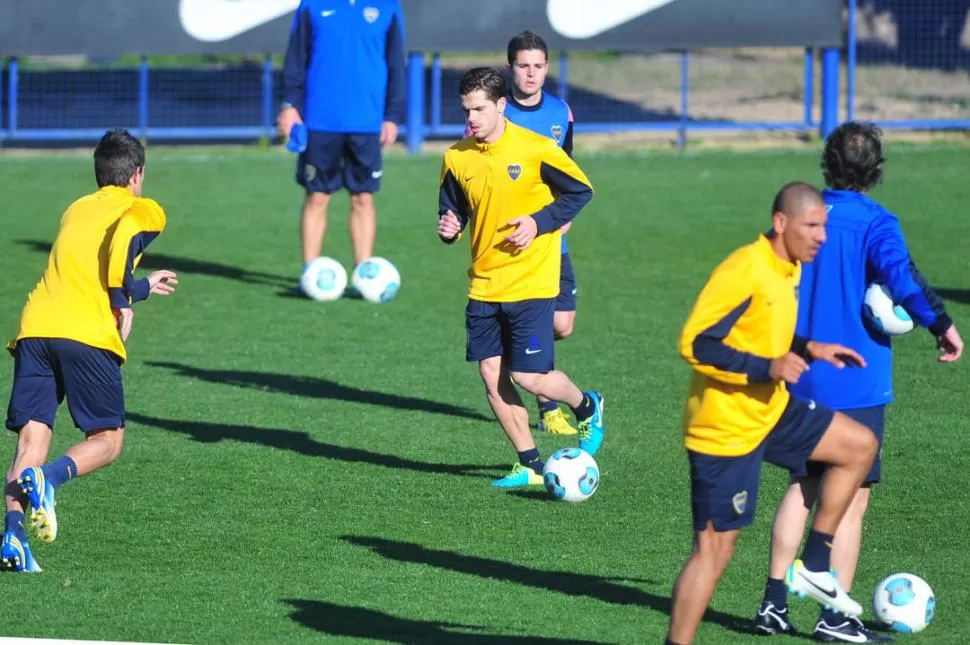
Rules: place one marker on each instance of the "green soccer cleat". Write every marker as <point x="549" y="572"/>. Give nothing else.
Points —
<point x="519" y="477"/>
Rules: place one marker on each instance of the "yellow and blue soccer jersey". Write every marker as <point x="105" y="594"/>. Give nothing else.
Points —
<point x="551" y="117"/>
<point x="488" y="184"/>
<point x="89" y="271"/>
<point x="743" y="319"/>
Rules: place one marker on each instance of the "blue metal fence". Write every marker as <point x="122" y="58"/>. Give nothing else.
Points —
<point x="907" y="62"/>
<point x="901" y="60"/>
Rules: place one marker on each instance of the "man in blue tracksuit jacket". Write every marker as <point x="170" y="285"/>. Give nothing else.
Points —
<point x="343" y="78"/>
<point x="864" y="245"/>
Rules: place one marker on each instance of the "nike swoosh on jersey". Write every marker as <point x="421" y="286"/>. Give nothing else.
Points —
<point x="217" y="20"/>
<point x="577" y="19"/>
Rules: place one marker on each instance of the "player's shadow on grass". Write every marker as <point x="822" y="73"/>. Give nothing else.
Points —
<point x="341" y="620"/>
<point x="302" y="443"/>
<point x="320" y="388"/>
<point x="955" y="295"/>
<point x="156" y="261"/>
<point x="572" y="584"/>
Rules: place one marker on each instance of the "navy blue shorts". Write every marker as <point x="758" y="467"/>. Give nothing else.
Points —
<point x="873" y="418"/>
<point x="520" y="331"/>
<point x="47" y="369"/>
<point x="566" y="301"/>
<point x="725" y="489"/>
<point x="335" y="160"/>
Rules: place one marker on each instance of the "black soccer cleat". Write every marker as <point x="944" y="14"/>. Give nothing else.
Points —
<point x="850" y="630"/>
<point x="771" y="620"/>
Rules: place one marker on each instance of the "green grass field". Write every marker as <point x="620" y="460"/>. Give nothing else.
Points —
<point x="305" y="472"/>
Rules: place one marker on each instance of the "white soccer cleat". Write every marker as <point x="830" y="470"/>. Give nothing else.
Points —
<point x="822" y="586"/>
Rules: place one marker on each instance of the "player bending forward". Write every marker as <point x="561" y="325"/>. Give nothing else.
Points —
<point x="740" y="340"/>
<point x="71" y="341"/>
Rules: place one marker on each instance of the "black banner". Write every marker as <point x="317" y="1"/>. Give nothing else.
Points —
<point x="116" y="27"/>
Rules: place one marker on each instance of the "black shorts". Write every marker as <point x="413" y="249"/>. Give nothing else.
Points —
<point x="47" y="369"/>
<point x="873" y="418"/>
<point x="725" y="489"/>
<point x="335" y="160"/>
<point x="519" y="331"/>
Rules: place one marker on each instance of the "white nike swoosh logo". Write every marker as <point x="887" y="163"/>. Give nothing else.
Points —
<point x="851" y="637"/>
<point x="216" y="20"/>
<point x="328" y="12"/>
<point x="530" y="352"/>
<point x="580" y="19"/>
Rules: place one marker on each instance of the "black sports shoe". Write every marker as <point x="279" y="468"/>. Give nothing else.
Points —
<point x="771" y="620"/>
<point x="849" y="631"/>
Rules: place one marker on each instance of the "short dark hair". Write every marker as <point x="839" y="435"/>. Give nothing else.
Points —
<point x="488" y="79"/>
<point x="794" y="197"/>
<point x="853" y="159"/>
<point x="117" y="157"/>
<point x="524" y="42"/>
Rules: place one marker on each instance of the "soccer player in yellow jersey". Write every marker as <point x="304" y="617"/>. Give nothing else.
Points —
<point x="514" y="190"/>
<point x="740" y="340"/>
<point x="71" y="341"/>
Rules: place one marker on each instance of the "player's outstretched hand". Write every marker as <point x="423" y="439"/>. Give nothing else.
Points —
<point x="788" y="368"/>
<point x="565" y="227"/>
<point x="837" y="355"/>
<point x="123" y="319"/>
<point x="448" y="226"/>
<point x="525" y="231"/>
<point x="162" y="282"/>
<point x="951" y="344"/>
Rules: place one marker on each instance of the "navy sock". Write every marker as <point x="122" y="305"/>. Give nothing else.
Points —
<point x="14" y="523"/>
<point x="530" y="459"/>
<point x="669" y="642"/>
<point x="60" y="471"/>
<point x="817" y="554"/>
<point x="547" y="406"/>
<point x="831" y="618"/>
<point x="585" y="409"/>
<point x="776" y="593"/>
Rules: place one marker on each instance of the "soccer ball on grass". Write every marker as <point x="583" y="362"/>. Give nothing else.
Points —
<point x="904" y="602"/>
<point x="571" y="474"/>
<point x="376" y="280"/>
<point x="324" y="279"/>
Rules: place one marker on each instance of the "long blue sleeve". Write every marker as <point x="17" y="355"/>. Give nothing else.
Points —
<point x="889" y="258"/>
<point x="395" y="107"/>
<point x="297" y="60"/>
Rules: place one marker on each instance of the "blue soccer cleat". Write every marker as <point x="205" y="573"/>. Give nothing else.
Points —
<point x="519" y="477"/>
<point x="16" y="556"/>
<point x="591" y="430"/>
<point x="40" y="494"/>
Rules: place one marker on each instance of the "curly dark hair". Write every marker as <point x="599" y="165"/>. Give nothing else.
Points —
<point x="853" y="159"/>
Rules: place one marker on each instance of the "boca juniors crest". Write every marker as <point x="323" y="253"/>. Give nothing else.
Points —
<point x="514" y="171"/>
<point x="557" y="133"/>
